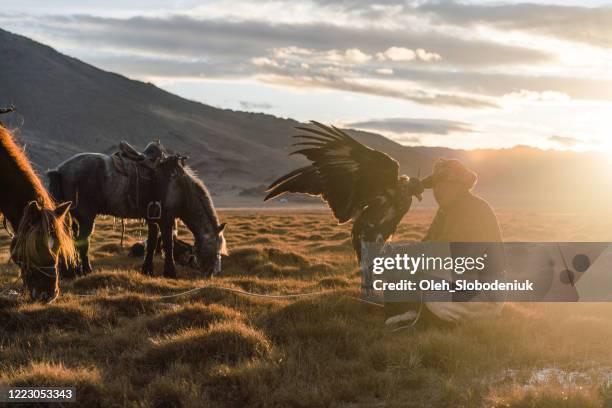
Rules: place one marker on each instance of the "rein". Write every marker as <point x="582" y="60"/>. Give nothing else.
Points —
<point x="27" y="267"/>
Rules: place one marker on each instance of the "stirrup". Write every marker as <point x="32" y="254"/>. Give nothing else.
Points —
<point x="154" y="210"/>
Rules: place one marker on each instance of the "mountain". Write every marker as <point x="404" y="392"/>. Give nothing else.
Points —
<point x="66" y="106"/>
<point x="69" y="107"/>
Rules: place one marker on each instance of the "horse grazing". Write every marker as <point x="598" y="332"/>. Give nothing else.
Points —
<point x="42" y="232"/>
<point x="97" y="185"/>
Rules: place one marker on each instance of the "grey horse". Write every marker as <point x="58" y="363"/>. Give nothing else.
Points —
<point x="97" y="186"/>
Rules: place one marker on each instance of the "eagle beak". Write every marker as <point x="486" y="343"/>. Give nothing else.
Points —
<point x="419" y="197"/>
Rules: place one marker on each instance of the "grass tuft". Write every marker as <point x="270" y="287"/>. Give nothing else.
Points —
<point x="227" y="342"/>
<point x="190" y="316"/>
<point x="40" y="318"/>
<point x="87" y="381"/>
<point x="125" y="305"/>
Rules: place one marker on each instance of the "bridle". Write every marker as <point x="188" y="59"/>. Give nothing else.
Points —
<point x="26" y="268"/>
<point x="185" y="179"/>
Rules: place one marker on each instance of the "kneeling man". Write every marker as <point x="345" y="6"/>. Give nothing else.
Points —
<point x="461" y="217"/>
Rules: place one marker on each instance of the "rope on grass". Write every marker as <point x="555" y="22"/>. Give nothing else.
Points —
<point x="253" y="294"/>
<point x="262" y="295"/>
<point x="259" y="295"/>
<point x="243" y="292"/>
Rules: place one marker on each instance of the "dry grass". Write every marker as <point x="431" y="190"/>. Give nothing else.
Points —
<point x="112" y="337"/>
<point x="87" y="381"/>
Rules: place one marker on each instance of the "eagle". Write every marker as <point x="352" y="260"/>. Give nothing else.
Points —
<point x="357" y="182"/>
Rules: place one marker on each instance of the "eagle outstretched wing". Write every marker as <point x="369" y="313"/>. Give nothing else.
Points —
<point x="345" y="173"/>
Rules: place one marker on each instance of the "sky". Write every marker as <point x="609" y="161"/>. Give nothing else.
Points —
<point x="479" y="74"/>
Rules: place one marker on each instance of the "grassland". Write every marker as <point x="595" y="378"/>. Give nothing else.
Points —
<point x="113" y="337"/>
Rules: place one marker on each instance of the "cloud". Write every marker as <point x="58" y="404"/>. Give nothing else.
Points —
<point x="401" y="54"/>
<point x="145" y="47"/>
<point x="296" y="73"/>
<point x="415" y="126"/>
<point x="533" y="96"/>
<point x="590" y="25"/>
<point x="498" y="84"/>
<point x="586" y="24"/>
<point x="264" y="61"/>
<point x="396" y="54"/>
<point x="469" y="71"/>
<point x="351" y="56"/>
<point x="328" y="79"/>
<point x="231" y="39"/>
<point x="355" y="56"/>
<point x="384" y="71"/>
<point x="427" y="56"/>
<point x="566" y="141"/>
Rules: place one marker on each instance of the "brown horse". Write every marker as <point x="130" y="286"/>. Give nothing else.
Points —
<point x="42" y="234"/>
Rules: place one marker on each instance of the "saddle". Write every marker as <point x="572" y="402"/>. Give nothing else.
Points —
<point x="149" y="157"/>
<point x="140" y="169"/>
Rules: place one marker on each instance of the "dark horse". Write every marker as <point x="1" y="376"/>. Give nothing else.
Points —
<point x="97" y="186"/>
<point x="42" y="234"/>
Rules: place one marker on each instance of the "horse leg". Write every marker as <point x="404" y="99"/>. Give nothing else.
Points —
<point x="168" y="242"/>
<point x="153" y="232"/>
<point x="158" y="245"/>
<point x="86" y="226"/>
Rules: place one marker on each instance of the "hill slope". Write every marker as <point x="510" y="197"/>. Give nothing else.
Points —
<point x="69" y="107"/>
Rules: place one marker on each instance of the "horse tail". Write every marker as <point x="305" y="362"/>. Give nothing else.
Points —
<point x="55" y="185"/>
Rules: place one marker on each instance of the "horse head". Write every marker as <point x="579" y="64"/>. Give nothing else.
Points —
<point x="209" y="250"/>
<point x="42" y="238"/>
<point x="187" y="197"/>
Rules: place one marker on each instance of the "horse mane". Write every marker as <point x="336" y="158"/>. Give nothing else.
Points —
<point x="25" y="244"/>
<point x="27" y="234"/>
<point x="199" y="190"/>
<point x="16" y="155"/>
<point x="202" y="195"/>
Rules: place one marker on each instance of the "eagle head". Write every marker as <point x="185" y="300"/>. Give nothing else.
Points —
<point x="412" y="186"/>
